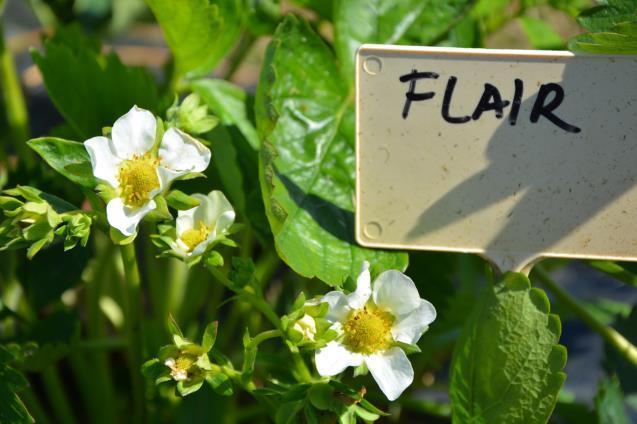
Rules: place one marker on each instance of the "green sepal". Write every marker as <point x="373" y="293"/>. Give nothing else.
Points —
<point x="186" y="387"/>
<point x="209" y="336"/>
<point x="214" y="259"/>
<point x="192" y="176"/>
<point x="161" y="212"/>
<point x="408" y="348"/>
<point x="361" y="370"/>
<point x="120" y="239"/>
<point x="299" y="302"/>
<point x="364" y="414"/>
<point x="181" y="201"/>
<point x="220" y="383"/>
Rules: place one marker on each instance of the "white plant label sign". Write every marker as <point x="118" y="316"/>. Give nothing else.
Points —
<point x="514" y="155"/>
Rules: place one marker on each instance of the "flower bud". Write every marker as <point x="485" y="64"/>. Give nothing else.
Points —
<point x="306" y="326"/>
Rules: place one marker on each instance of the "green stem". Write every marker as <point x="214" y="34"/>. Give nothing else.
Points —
<point x="247" y="243"/>
<point x="248" y="296"/>
<point x="246" y="42"/>
<point x="98" y="359"/>
<point x="15" y="105"/>
<point x="59" y="402"/>
<point x="261" y="337"/>
<point x="234" y="375"/>
<point x="91" y="391"/>
<point x="616" y="271"/>
<point x="303" y="372"/>
<point x="266" y="266"/>
<point x="135" y="344"/>
<point x="609" y="334"/>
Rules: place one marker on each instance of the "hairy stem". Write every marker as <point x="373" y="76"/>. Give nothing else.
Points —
<point x="135" y="345"/>
<point x="302" y="371"/>
<point x="609" y="334"/>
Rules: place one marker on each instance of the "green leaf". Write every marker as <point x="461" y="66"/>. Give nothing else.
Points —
<point x="437" y="18"/>
<point x="321" y="7"/>
<point x="613" y="12"/>
<point x="229" y="103"/>
<point x="541" y="35"/>
<point x="91" y="90"/>
<point x="69" y="158"/>
<point x="306" y="119"/>
<point x="507" y="365"/>
<point x="363" y="21"/>
<point x="613" y="28"/>
<point x="12" y="410"/>
<point x="605" y="42"/>
<point x="609" y="403"/>
<point x="198" y="32"/>
<point x="181" y="201"/>
<point x="237" y="164"/>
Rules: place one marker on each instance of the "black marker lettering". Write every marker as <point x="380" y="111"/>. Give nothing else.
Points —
<point x="517" y="101"/>
<point x="546" y="110"/>
<point x="447" y="101"/>
<point x="490" y="100"/>
<point x="411" y="95"/>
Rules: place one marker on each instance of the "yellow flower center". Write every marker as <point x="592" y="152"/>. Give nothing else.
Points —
<point x="180" y="368"/>
<point x="368" y="330"/>
<point x="184" y="362"/>
<point x="194" y="236"/>
<point x="137" y="178"/>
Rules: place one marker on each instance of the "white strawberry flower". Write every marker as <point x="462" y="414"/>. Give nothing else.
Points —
<point x="369" y="322"/>
<point x="201" y="226"/>
<point x="129" y="162"/>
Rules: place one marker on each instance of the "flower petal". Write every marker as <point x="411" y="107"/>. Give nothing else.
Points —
<point x="125" y="218"/>
<point x="134" y="133"/>
<point x="167" y="176"/>
<point x="215" y="211"/>
<point x="185" y="220"/>
<point x="338" y="306"/>
<point x="333" y="358"/>
<point x="359" y="298"/>
<point x="392" y="371"/>
<point x="201" y="247"/>
<point x="182" y="153"/>
<point x="104" y="163"/>
<point x="397" y="292"/>
<point x="409" y="327"/>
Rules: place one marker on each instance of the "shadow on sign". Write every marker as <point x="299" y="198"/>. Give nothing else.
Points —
<point x="558" y="179"/>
